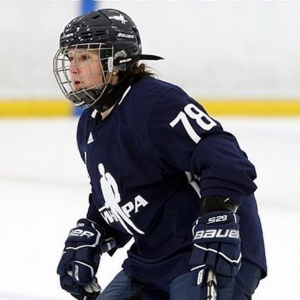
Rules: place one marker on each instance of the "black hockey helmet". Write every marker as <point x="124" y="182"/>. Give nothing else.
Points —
<point x="116" y="38"/>
<point x="105" y="26"/>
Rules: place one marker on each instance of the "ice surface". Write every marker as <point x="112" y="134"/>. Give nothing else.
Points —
<point x="44" y="187"/>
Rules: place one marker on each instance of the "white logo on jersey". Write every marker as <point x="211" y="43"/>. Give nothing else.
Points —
<point x="112" y="211"/>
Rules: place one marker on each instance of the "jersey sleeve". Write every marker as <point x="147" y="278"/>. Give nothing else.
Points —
<point x="185" y="138"/>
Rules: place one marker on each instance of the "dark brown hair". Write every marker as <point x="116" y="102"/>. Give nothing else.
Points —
<point x="142" y="71"/>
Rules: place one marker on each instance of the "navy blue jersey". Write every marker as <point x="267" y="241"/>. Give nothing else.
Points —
<point x="150" y="162"/>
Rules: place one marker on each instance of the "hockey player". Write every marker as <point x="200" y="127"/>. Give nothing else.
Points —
<point x="162" y="172"/>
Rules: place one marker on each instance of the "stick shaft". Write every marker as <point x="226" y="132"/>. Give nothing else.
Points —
<point x="211" y="286"/>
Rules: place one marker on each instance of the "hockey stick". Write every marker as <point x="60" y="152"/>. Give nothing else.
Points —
<point x="211" y="286"/>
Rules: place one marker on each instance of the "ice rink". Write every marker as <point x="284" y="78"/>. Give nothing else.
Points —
<point x="44" y="188"/>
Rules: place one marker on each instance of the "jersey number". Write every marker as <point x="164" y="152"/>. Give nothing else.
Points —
<point x="202" y="119"/>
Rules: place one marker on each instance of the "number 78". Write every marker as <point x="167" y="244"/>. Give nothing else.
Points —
<point x="202" y="119"/>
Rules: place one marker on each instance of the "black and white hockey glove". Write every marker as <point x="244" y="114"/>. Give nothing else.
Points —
<point x="80" y="260"/>
<point x="216" y="247"/>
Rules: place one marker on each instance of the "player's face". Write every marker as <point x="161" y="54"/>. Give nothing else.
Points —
<point x="85" y="69"/>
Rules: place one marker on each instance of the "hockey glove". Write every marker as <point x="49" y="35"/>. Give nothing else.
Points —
<point x="80" y="260"/>
<point x="216" y="247"/>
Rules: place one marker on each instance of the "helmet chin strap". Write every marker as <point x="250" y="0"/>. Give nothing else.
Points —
<point x="84" y="98"/>
<point x="112" y="94"/>
<point x="101" y="100"/>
